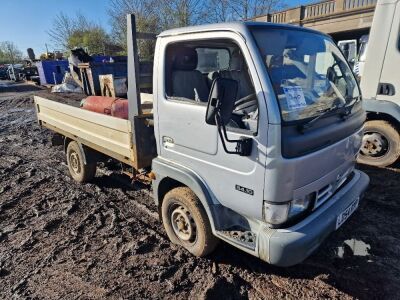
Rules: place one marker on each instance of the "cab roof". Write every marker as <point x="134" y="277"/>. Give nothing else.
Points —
<point x="240" y="27"/>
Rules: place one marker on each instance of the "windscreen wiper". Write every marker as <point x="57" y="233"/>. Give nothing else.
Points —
<point x="323" y="113"/>
<point x="349" y="105"/>
<point x="347" y="108"/>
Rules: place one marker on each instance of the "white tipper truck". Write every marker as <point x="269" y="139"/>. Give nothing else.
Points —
<point x="252" y="138"/>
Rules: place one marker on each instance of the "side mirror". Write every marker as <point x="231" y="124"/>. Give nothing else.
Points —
<point x="221" y="102"/>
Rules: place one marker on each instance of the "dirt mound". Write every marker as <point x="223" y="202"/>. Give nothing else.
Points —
<point x="60" y="239"/>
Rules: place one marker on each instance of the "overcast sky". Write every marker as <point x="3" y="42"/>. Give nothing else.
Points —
<point x="25" y="22"/>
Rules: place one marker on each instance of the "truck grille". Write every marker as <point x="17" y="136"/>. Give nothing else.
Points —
<point x="327" y="191"/>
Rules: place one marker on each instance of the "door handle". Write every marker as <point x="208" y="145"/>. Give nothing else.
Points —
<point x="167" y="141"/>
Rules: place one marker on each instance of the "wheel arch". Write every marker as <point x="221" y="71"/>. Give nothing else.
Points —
<point x="170" y="175"/>
<point x="376" y="116"/>
<point x="67" y="140"/>
<point x="383" y="110"/>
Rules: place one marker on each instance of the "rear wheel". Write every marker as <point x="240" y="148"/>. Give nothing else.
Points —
<point x="79" y="171"/>
<point x="186" y="222"/>
<point x="380" y="145"/>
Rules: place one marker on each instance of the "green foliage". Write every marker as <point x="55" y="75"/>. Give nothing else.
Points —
<point x="95" y="40"/>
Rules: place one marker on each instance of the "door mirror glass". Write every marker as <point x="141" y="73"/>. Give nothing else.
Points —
<point x="349" y="49"/>
<point x="221" y="101"/>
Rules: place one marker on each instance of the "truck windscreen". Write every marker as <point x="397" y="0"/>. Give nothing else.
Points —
<point x="308" y="72"/>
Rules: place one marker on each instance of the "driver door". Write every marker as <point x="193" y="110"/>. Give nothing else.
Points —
<point x="184" y="137"/>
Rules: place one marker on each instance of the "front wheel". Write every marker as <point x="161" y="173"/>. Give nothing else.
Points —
<point x="380" y="145"/>
<point x="186" y="222"/>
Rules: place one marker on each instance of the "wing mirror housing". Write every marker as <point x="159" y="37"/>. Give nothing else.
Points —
<point x="221" y="101"/>
<point x="220" y="106"/>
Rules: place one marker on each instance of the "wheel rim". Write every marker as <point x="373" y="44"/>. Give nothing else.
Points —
<point x="74" y="162"/>
<point x="183" y="224"/>
<point x="374" y="144"/>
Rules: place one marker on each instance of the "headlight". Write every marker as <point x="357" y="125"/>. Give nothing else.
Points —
<point x="299" y="206"/>
<point x="277" y="213"/>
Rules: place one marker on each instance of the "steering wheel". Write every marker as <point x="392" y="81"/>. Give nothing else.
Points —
<point x="332" y="75"/>
<point x="245" y="103"/>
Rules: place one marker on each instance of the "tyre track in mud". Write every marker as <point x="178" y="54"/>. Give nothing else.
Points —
<point x="60" y="239"/>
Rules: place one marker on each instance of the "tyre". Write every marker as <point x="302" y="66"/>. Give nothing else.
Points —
<point x="381" y="144"/>
<point x="79" y="171"/>
<point x="186" y="222"/>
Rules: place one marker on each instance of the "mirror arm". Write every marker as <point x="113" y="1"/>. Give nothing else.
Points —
<point x="223" y="140"/>
<point x="243" y="145"/>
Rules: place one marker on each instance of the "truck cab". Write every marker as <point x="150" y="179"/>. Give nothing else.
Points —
<point x="296" y="102"/>
<point x="380" y="86"/>
<point x="252" y="138"/>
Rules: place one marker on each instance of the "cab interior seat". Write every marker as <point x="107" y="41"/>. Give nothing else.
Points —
<point x="187" y="82"/>
<point x="246" y="100"/>
<point x="238" y="71"/>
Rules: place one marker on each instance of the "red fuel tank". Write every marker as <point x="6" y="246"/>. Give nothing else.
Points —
<point x="117" y="107"/>
<point x="98" y="104"/>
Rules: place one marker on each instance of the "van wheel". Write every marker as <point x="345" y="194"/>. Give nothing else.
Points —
<point x="381" y="144"/>
<point x="186" y="222"/>
<point x="79" y="171"/>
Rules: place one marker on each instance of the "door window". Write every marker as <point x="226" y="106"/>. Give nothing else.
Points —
<point x="212" y="59"/>
<point x="191" y="67"/>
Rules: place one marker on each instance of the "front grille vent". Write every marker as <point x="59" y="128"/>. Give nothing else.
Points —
<point x="327" y="191"/>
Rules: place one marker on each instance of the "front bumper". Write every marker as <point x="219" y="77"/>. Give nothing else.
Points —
<point x="290" y="246"/>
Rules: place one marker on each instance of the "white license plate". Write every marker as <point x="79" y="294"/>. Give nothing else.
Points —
<point x="347" y="213"/>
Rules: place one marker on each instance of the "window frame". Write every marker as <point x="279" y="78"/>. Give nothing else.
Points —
<point x="183" y="100"/>
<point x="172" y="43"/>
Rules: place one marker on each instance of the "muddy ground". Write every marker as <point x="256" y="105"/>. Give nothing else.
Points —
<point x="60" y="239"/>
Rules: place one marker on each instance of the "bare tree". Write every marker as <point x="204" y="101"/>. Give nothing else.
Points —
<point x="247" y="9"/>
<point x="179" y="13"/>
<point x="146" y="21"/>
<point x="9" y="53"/>
<point x="145" y="12"/>
<point x="69" y="32"/>
<point x="219" y="11"/>
<point x="158" y="15"/>
<point x="63" y="27"/>
<point x="228" y="10"/>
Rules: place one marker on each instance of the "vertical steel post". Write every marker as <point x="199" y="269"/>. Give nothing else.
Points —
<point x="134" y="106"/>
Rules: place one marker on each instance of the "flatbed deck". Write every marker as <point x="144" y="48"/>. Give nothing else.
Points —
<point x="103" y="133"/>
